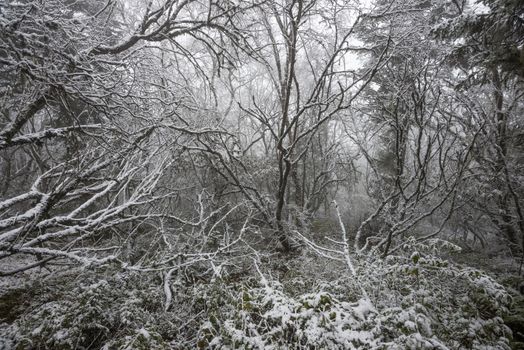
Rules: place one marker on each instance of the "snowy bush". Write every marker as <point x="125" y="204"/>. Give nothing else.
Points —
<point x="416" y="301"/>
<point x="264" y="317"/>
<point x="413" y="300"/>
<point x="114" y="314"/>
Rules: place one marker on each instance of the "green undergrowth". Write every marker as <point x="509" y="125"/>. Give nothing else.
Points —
<point x="413" y="300"/>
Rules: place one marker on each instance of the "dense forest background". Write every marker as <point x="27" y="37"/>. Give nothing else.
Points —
<point x="280" y="174"/>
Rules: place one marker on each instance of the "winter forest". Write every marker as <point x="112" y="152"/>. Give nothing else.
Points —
<point x="261" y="174"/>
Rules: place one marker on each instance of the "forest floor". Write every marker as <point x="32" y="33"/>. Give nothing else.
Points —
<point x="297" y="274"/>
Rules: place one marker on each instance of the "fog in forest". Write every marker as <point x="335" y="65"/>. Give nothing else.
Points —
<point x="261" y="174"/>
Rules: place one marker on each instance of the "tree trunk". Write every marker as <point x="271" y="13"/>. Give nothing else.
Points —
<point x="505" y="224"/>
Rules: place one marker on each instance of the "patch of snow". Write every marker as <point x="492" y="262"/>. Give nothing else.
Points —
<point x="142" y="331"/>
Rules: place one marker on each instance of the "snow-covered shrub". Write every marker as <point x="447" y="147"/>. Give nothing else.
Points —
<point x="461" y="306"/>
<point x="412" y="300"/>
<point x="264" y="317"/>
<point x="114" y="314"/>
<point x="416" y="301"/>
<point x="267" y="318"/>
